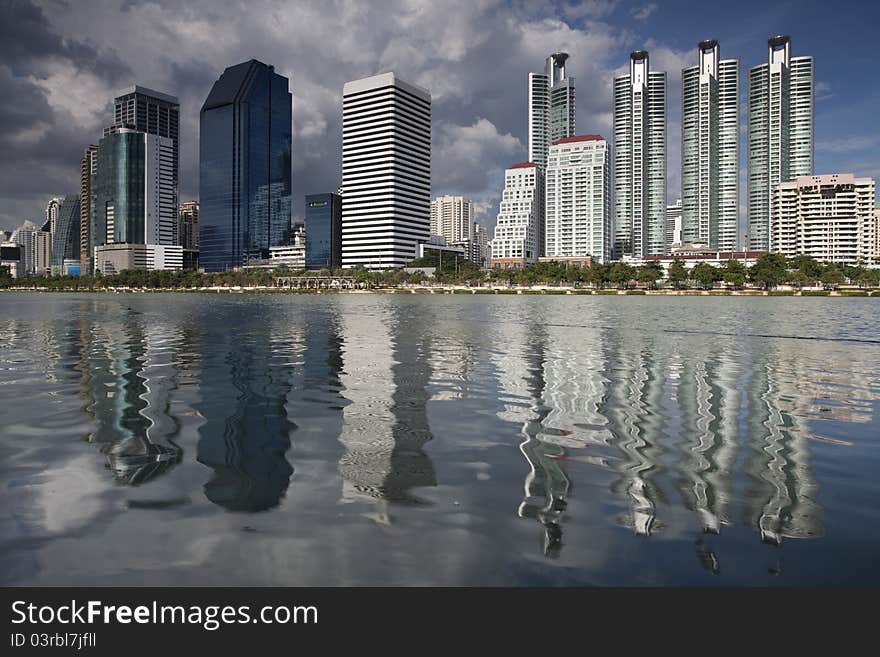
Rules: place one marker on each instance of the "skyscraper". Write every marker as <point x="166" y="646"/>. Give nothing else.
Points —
<point x="551" y="107"/>
<point x="133" y="190"/>
<point x="386" y="171"/>
<point x="780" y="131"/>
<point x="65" y="237"/>
<point x="154" y="113"/>
<point x="86" y="175"/>
<point x="520" y="217"/>
<point x="673" y="224"/>
<point x="52" y="214"/>
<point x="710" y="149"/>
<point x="452" y="217"/>
<point x="188" y="225"/>
<point x="244" y="169"/>
<point x="323" y="231"/>
<point x="639" y="159"/>
<point x="577" y="199"/>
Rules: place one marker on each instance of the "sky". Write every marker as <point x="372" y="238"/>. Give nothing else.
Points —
<point x="63" y="61"/>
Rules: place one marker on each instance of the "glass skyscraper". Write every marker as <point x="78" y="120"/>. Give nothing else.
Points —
<point x="640" y="160"/>
<point x="780" y="131"/>
<point x="323" y="231"/>
<point x="244" y="169"/>
<point x="65" y="238"/>
<point x="710" y="149"/>
<point x="133" y="197"/>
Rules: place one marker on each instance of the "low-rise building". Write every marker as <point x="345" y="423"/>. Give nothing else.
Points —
<point x="111" y="259"/>
<point x="829" y="218"/>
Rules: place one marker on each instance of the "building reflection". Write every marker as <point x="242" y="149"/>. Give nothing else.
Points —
<point x="522" y="378"/>
<point x="245" y="381"/>
<point x="387" y="369"/>
<point x="635" y="392"/>
<point x="126" y="376"/>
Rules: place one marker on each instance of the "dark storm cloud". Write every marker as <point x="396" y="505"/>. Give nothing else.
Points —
<point x="66" y="61"/>
<point x="27" y="41"/>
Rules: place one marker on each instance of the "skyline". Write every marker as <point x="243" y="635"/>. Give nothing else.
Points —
<point x="478" y="81"/>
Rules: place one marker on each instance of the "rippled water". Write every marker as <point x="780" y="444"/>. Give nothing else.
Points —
<point x="409" y="439"/>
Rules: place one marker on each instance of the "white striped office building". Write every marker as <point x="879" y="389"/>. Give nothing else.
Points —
<point x="386" y="171"/>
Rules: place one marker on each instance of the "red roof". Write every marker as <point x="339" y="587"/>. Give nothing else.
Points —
<point x="570" y="140"/>
<point x="523" y="165"/>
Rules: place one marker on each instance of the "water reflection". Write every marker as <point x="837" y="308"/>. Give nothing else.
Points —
<point x="245" y="380"/>
<point x="387" y="367"/>
<point x="582" y="434"/>
<point x="127" y="377"/>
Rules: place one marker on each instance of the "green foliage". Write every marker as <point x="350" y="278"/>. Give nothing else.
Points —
<point x="677" y="273"/>
<point x="706" y="275"/>
<point x="769" y="271"/>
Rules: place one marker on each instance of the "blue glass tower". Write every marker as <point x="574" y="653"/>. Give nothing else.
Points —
<point x="323" y="231"/>
<point x="65" y="241"/>
<point x="244" y="167"/>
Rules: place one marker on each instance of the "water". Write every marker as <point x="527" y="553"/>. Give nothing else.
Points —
<point x="177" y="439"/>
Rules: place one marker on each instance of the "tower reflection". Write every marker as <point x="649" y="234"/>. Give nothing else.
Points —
<point x="245" y="380"/>
<point x="127" y="374"/>
<point x="387" y="368"/>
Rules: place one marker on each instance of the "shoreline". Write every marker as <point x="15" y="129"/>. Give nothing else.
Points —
<point x="554" y="291"/>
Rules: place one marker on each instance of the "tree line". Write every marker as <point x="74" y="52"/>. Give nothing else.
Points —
<point x="769" y="271"/>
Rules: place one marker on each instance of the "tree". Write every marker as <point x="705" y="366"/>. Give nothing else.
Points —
<point x="705" y="274"/>
<point x="734" y="273"/>
<point x="798" y="278"/>
<point x="831" y="277"/>
<point x="769" y="270"/>
<point x="649" y="274"/>
<point x="620" y="274"/>
<point x="677" y="273"/>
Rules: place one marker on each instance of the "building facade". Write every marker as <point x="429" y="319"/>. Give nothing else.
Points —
<point x="780" y="131"/>
<point x="188" y="225"/>
<point x="323" y="231"/>
<point x="673" y="225"/>
<point x="65" y="238"/>
<point x="386" y="171"/>
<point x="112" y="258"/>
<point x="87" y="167"/>
<point x="517" y="238"/>
<point x="52" y="214"/>
<point x="552" y="114"/>
<point x="710" y="149"/>
<point x="244" y="169"/>
<point x="452" y="217"/>
<point x="830" y="218"/>
<point x="153" y="113"/>
<point x="577" y="199"/>
<point x="133" y="199"/>
<point x="24" y="237"/>
<point x="639" y="160"/>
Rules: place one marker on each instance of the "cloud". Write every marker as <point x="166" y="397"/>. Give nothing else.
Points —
<point x="644" y="12"/>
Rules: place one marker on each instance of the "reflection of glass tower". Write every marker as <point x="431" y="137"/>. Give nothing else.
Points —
<point x="523" y="384"/>
<point x="781" y="500"/>
<point x="245" y="441"/>
<point x="245" y="176"/>
<point x="634" y="391"/>
<point x="127" y="377"/>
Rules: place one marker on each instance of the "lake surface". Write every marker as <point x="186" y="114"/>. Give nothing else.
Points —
<point x="173" y="439"/>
